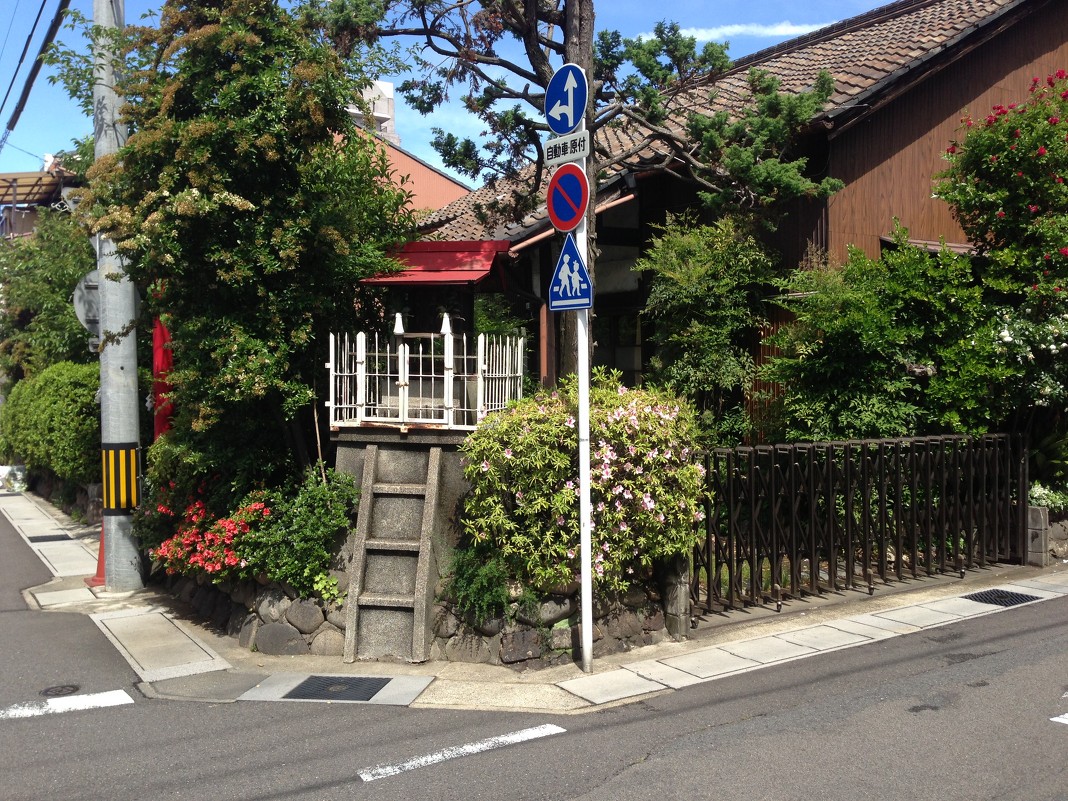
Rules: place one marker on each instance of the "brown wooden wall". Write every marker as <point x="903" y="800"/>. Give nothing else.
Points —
<point x="888" y="160"/>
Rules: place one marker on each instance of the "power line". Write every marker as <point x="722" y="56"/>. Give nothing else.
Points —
<point x="25" y="49"/>
<point x="53" y="29"/>
<point x="10" y="25"/>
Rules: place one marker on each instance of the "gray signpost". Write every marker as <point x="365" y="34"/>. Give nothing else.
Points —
<point x="571" y="290"/>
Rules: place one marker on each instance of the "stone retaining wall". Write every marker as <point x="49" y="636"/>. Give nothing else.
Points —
<point x="273" y="621"/>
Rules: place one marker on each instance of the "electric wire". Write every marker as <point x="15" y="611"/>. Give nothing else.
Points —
<point x="25" y="49"/>
<point x="10" y="27"/>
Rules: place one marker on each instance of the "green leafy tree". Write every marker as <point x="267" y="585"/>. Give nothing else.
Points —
<point x="898" y="346"/>
<point x="501" y="54"/>
<point x="38" y="326"/>
<point x="247" y="206"/>
<point x="1005" y="183"/>
<point x="706" y="303"/>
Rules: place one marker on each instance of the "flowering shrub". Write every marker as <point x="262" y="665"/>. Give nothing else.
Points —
<point x="289" y="537"/>
<point x="646" y="485"/>
<point x="1056" y="501"/>
<point x="211" y="546"/>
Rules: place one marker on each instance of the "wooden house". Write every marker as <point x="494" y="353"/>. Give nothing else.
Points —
<point x="904" y="75"/>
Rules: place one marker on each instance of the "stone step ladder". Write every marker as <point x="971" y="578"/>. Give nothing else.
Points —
<point x="389" y="601"/>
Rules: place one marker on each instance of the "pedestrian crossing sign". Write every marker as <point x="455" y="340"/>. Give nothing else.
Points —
<point x="571" y="287"/>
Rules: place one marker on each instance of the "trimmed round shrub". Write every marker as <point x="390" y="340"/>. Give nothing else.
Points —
<point x="646" y="489"/>
<point x="51" y="421"/>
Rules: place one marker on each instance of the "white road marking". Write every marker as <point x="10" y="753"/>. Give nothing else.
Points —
<point x="69" y="704"/>
<point x="385" y="771"/>
<point x="1060" y="719"/>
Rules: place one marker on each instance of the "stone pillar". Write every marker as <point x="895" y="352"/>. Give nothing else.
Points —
<point x="675" y="595"/>
<point x="1038" y="536"/>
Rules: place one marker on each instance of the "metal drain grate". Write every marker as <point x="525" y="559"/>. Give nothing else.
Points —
<point x="1001" y="597"/>
<point x="337" y="688"/>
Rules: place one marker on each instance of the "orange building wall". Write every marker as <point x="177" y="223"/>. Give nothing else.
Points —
<point x="431" y="190"/>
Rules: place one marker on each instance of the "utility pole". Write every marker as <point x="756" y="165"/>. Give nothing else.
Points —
<point x="119" y="424"/>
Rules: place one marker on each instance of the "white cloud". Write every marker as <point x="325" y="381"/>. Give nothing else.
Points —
<point x="777" y="30"/>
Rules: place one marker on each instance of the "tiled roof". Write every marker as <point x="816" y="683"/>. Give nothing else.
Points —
<point x="868" y="56"/>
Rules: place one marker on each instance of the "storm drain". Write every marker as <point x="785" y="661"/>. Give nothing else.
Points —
<point x="49" y="538"/>
<point x="1001" y="597"/>
<point x="337" y="688"/>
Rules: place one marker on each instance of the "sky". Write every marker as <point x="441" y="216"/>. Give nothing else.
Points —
<point x="50" y="120"/>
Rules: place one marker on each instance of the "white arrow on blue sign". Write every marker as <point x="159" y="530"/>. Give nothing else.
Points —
<point x="571" y="287"/>
<point x="565" y="99"/>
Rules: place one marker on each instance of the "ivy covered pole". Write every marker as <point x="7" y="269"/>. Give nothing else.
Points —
<point x="119" y="424"/>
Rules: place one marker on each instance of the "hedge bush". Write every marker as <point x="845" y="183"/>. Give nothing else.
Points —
<point x="51" y="421"/>
<point x="646" y="491"/>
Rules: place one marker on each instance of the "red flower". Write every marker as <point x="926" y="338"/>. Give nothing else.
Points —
<point x="1001" y="214"/>
<point x="1033" y="208"/>
<point x="1041" y="151"/>
<point x="951" y="149"/>
<point x="1064" y="252"/>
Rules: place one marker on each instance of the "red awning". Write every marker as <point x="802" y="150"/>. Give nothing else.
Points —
<point x="437" y="263"/>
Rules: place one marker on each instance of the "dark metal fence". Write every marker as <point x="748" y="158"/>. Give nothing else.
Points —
<point x="788" y="520"/>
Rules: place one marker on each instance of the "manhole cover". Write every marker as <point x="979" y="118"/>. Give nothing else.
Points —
<point x="60" y="690"/>
<point x="337" y="688"/>
<point x="1001" y="597"/>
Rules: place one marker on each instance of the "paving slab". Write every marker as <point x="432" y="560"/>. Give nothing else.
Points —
<point x="155" y="646"/>
<point x="709" y="663"/>
<point x="960" y="607"/>
<point x="1043" y="594"/>
<point x="61" y="597"/>
<point x="657" y="671"/>
<point x="918" y="616"/>
<point x="853" y="625"/>
<point x="824" y="638"/>
<point x="502" y="696"/>
<point x="877" y="621"/>
<point x="766" y="650"/>
<point x="66" y="558"/>
<point x="600" y="688"/>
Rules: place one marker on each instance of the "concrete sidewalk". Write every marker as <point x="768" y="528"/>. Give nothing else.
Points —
<point x="177" y="658"/>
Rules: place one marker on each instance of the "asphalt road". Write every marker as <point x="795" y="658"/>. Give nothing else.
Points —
<point x="958" y="712"/>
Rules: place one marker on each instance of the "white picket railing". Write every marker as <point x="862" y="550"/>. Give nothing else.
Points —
<point x="425" y="380"/>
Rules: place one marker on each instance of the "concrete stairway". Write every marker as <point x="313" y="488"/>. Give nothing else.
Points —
<point x="389" y="600"/>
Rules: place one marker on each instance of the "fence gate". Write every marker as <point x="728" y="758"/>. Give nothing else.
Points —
<point x="788" y="520"/>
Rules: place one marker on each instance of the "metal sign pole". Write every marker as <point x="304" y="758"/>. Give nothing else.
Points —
<point x="571" y="289"/>
<point x="585" y="507"/>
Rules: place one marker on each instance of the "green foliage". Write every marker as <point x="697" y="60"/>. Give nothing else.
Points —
<point x="900" y="346"/>
<point x="1056" y="501"/>
<point x="706" y="303"/>
<point x="289" y="536"/>
<point x="1005" y="183"/>
<point x="38" y="326"/>
<point x="51" y="421"/>
<point x="745" y="156"/>
<point x="247" y="206"/>
<point x="479" y="581"/>
<point x="646" y="487"/>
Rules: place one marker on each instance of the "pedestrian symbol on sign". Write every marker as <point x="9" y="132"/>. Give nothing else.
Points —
<point x="571" y="287"/>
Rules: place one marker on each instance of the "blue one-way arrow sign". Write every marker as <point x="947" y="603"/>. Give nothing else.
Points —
<point x="565" y="99"/>
<point x="571" y="287"/>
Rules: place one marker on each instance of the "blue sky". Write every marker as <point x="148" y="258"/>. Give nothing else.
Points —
<point x="50" y="120"/>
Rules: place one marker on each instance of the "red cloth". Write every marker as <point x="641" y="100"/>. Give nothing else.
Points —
<point x="162" y="362"/>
